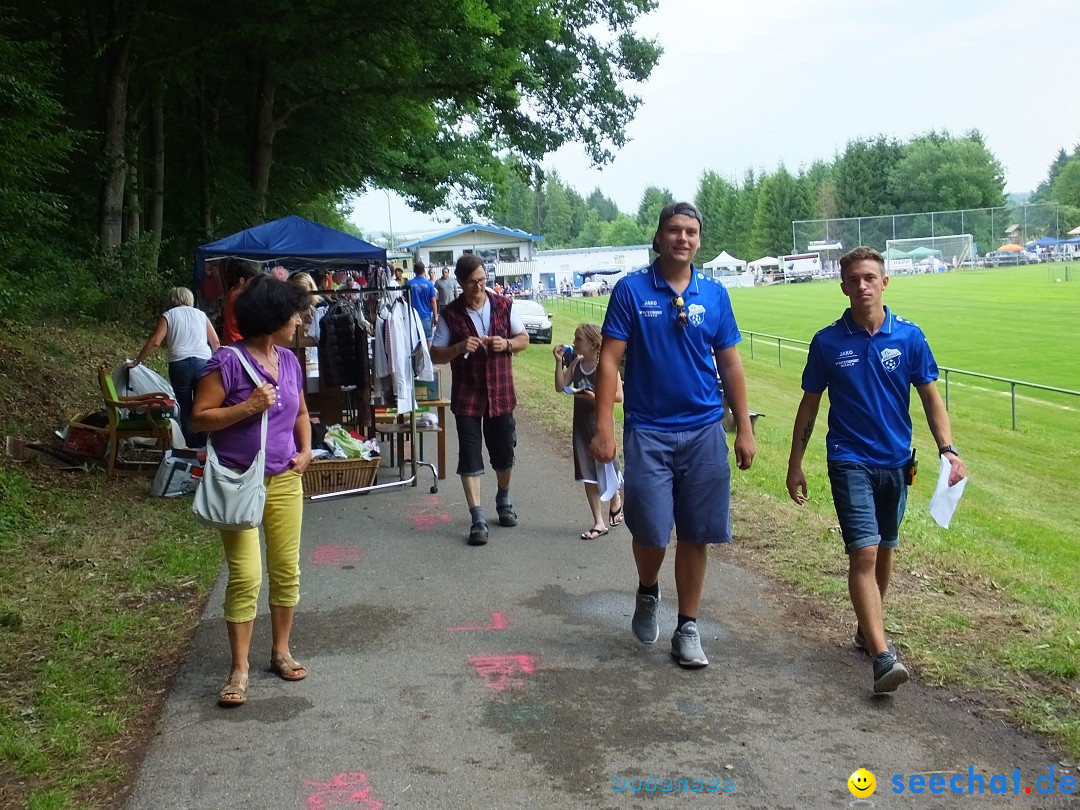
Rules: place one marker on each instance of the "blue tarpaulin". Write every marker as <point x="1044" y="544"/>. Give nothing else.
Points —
<point x="290" y="238"/>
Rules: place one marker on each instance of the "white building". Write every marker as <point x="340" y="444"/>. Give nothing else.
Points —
<point x="579" y="265"/>
<point x="507" y="253"/>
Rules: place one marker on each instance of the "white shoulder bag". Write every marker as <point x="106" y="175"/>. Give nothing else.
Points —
<point x="231" y="500"/>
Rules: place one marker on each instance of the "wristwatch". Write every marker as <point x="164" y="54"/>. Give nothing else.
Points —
<point x="948" y="449"/>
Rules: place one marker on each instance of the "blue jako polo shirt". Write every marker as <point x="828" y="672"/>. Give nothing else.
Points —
<point x="421" y="291"/>
<point x="869" y="378"/>
<point x="670" y="369"/>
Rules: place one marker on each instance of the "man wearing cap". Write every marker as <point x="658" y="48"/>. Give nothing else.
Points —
<point x="677" y="331"/>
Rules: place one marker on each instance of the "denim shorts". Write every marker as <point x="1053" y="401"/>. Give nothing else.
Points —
<point x="680" y="479"/>
<point x="870" y="503"/>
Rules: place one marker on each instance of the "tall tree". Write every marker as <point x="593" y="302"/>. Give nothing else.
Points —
<point x="745" y="211"/>
<point x="941" y="173"/>
<point x="653" y="199"/>
<point x="1043" y="190"/>
<point x="558" y="216"/>
<point x="711" y="198"/>
<point x="780" y="200"/>
<point x="624" y="230"/>
<point x="862" y="174"/>
<point x="604" y="206"/>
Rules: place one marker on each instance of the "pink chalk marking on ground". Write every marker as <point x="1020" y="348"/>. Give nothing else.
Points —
<point x="344" y="790"/>
<point x="335" y="555"/>
<point x="499" y="670"/>
<point x="426" y="523"/>
<point x="434" y="500"/>
<point x="498" y="622"/>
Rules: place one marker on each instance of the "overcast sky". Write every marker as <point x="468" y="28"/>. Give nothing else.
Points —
<point x="756" y="84"/>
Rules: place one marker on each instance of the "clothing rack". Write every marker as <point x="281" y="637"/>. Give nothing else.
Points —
<point x="380" y="297"/>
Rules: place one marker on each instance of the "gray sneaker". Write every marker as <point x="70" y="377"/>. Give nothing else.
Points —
<point x="644" y="622"/>
<point x="686" y="647"/>
<point x="860" y="642"/>
<point x="888" y="673"/>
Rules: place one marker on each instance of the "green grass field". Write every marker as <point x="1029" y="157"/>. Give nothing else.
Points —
<point x="992" y="602"/>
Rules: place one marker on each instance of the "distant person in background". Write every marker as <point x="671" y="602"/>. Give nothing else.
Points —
<point x="868" y="360"/>
<point x="191" y="339"/>
<point x="446" y="289"/>
<point x="242" y="273"/>
<point x="422" y="297"/>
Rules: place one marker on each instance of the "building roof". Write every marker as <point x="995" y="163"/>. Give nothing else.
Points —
<point x="470" y="228"/>
<point x="604" y="248"/>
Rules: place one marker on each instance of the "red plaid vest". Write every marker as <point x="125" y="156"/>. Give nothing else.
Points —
<point x="484" y="382"/>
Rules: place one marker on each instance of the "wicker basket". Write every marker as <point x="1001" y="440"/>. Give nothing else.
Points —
<point x="339" y="475"/>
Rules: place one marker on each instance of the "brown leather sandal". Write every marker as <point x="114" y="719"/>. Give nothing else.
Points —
<point x="234" y="693"/>
<point x="286" y="667"/>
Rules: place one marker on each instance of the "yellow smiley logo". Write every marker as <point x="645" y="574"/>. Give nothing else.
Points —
<point x="862" y="784"/>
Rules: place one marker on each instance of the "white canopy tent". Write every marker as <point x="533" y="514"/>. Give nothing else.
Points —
<point x="724" y="264"/>
<point x="765" y="261"/>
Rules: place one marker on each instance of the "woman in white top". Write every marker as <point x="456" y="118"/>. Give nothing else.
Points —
<point x="191" y="339"/>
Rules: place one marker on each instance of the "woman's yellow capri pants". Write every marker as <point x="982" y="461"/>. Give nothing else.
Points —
<point x="281" y="527"/>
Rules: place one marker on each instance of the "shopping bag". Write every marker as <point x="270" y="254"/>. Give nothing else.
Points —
<point x="140" y="380"/>
<point x="178" y="474"/>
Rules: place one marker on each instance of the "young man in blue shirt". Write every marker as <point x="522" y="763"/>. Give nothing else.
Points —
<point x="868" y="360"/>
<point x="422" y="298"/>
<point x="677" y="331"/>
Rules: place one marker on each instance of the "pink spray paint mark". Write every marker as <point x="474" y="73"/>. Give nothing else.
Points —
<point x="498" y="622"/>
<point x="499" y="670"/>
<point x="335" y="555"/>
<point x="425" y="523"/>
<point x="344" y="790"/>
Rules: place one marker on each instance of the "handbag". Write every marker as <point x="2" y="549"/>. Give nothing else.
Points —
<point x="227" y="499"/>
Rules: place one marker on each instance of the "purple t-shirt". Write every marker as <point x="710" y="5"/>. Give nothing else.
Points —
<point x="237" y="444"/>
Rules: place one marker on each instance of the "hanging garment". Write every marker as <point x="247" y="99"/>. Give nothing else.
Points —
<point x="401" y="354"/>
<point x="343" y="346"/>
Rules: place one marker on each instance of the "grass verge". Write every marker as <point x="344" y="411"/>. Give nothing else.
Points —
<point x="100" y="588"/>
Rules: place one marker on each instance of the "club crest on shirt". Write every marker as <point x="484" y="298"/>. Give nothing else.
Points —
<point x="890" y="358"/>
<point x="696" y="313"/>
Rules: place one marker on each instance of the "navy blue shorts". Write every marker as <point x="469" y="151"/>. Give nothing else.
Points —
<point x="426" y="323"/>
<point x="677" y="479"/>
<point x="870" y="503"/>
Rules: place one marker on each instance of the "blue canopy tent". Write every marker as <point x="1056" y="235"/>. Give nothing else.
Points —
<point x="293" y="241"/>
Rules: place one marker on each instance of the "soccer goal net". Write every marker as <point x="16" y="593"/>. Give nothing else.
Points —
<point x="929" y="254"/>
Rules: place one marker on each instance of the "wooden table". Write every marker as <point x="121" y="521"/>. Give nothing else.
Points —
<point x="401" y="429"/>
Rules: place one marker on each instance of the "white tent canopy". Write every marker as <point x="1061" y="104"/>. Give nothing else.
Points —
<point x="765" y="261"/>
<point x="725" y="261"/>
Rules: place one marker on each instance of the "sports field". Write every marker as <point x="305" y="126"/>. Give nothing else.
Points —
<point x="994" y="600"/>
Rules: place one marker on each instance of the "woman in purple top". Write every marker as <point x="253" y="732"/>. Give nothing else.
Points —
<point x="230" y="405"/>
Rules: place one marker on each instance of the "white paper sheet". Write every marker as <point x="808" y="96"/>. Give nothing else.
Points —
<point x="945" y="499"/>
<point x="608" y="480"/>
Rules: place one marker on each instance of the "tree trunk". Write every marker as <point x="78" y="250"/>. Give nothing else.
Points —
<point x="117" y="58"/>
<point x="207" y="136"/>
<point x="263" y="141"/>
<point x="115" y="130"/>
<point x="155" y="205"/>
<point x="132" y="210"/>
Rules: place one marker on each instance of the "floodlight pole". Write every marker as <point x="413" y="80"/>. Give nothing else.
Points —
<point x="389" y="218"/>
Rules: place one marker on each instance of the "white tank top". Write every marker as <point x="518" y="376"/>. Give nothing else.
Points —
<point x="186" y="335"/>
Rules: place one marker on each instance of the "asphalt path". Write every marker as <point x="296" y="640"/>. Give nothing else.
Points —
<point x="506" y="676"/>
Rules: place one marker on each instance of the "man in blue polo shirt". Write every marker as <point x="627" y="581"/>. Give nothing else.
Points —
<point x="677" y="331"/>
<point x="869" y="359"/>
